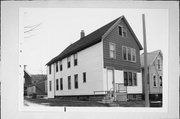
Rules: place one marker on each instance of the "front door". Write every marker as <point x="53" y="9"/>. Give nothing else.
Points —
<point x="109" y="79"/>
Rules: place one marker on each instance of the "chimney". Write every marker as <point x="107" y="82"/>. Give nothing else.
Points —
<point x="82" y="33"/>
<point x="25" y="67"/>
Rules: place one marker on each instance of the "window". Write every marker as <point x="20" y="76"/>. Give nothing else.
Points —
<point x="49" y="69"/>
<point x="112" y="50"/>
<point x="61" y="83"/>
<point x="69" y="82"/>
<point x="134" y="79"/>
<point x="61" y="67"/>
<point x="160" y="78"/>
<point x="84" y="77"/>
<point x="133" y="52"/>
<point x="56" y="66"/>
<point x="57" y="84"/>
<point x="75" y="59"/>
<point x="50" y="87"/>
<point x="68" y="62"/>
<point x="130" y="79"/>
<point x="154" y="81"/>
<point x="159" y="64"/>
<point x="129" y="53"/>
<point x="125" y="79"/>
<point x="124" y="53"/>
<point x="76" y="81"/>
<point x="122" y="31"/>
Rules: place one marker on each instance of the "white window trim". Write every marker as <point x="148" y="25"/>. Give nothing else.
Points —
<point x="123" y="53"/>
<point x="110" y="43"/>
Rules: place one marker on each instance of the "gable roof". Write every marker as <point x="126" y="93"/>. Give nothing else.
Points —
<point x="87" y="41"/>
<point x="151" y="56"/>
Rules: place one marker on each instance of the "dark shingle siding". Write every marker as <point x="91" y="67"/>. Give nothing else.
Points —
<point x="84" y="42"/>
<point x="119" y="63"/>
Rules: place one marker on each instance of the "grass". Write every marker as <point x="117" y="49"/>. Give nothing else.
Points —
<point x="79" y="103"/>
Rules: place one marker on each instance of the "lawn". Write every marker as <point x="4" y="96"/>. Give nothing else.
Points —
<point x="79" y="103"/>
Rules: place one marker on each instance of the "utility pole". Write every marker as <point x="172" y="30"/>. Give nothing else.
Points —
<point x="145" y="64"/>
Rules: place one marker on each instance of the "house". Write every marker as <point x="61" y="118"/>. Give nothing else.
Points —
<point x="38" y="86"/>
<point x="155" y="73"/>
<point x="27" y="80"/>
<point x="104" y="62"/>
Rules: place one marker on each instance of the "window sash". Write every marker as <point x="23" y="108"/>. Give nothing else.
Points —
<point x="76" y="81"/>
<point x="130" y="78"/>
<point x="84" y="77"/>
<point x="56" y="66"/>
<point x="49" y="69"/>
<point x="154" y="80"/>
<point x="61" y="83"/>
<point x="57" y="84"/>
<point x="69" y="82"/>
<point x="112" y="50"/>
<point x="68" y="62"/>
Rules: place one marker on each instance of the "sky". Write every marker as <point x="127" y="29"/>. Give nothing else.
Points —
<point x="59" y="27"/>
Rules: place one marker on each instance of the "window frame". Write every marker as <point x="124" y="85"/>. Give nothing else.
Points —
<point x="127" y="78"/>
<point x="154" y="80"/>
<point x="76" y="81"/>
<point x="123" y="30"/>
<point x="61" y="83"/>
<point x="68" y="62"/>
<point x="49" y="69"/>
<point x="69" y="82"/>
<point x="113" y="51"/>
<point x="84" y="77"/>
<point x="160" y="81"/>
<point x="133" y="51"/>
<point x="75" y="59"/>
<point x="57" y="84"/>
<point x="60" y="66"/>
<point x="56" y="66"/>
<point x="158" y="64"/>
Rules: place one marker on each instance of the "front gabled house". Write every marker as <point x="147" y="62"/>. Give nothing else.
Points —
<point x="155" y="73"/>
<point x="106" y="61"/>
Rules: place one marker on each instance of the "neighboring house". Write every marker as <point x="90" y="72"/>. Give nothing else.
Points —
<point x="27" y="80"/>
<point x="155" y="73"/>
<point x="38" y="86"/>
<point x="107" y="61"/>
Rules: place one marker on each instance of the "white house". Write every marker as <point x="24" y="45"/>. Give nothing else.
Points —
<point x="155" y="73"/>
<point x="104" y="62"/>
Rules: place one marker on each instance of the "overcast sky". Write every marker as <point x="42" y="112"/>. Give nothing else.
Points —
<point x="59" y="27"/>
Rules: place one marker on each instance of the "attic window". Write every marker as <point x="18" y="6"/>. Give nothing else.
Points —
<point x="122" y="31"/>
